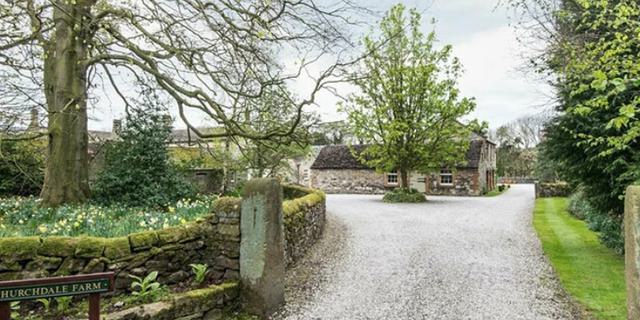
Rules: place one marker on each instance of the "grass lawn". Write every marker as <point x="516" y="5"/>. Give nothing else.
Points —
<point x="496" y="192"/>
<point x="590" y="272"/>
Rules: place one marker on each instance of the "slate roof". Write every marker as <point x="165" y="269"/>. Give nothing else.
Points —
<point x="340" y="157"/>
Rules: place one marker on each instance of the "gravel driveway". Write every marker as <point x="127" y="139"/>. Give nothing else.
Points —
<point x="450" y="258"/>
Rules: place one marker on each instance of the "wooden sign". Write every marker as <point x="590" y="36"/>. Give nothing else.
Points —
<point x="88" y="284"/>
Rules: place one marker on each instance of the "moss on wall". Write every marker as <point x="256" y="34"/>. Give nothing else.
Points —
<point x="304" y="219"/>
<point x="208" y="303"/>
<point x="209" y="240"/>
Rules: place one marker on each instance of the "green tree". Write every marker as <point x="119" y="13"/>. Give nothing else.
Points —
<point x="594" y="139"/>
<point x="410" y="107"/>
<point x="207" y="56"/>
<point x="271" y="157"/>
<point x="138" y="170"/>
<point x="596" y="136"/>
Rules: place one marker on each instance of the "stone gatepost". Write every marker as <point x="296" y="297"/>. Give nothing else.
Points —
<point x="262" y="263"/>
<point x="632" y="250"/>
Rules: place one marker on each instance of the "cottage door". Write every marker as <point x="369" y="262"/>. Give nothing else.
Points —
<point x="418" y="181"/>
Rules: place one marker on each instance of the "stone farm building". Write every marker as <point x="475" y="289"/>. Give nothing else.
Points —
<point x="336" y="170"/>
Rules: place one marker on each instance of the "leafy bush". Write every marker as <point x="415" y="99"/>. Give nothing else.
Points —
<point x="608" y="226"/>
<point x="21" y="167"/>
<point x="25" y="217"/>
<point x="579" y="207"/>
<point x="138" y="170"/>
<point x="501" y="188"/>
<point x="404" y="195"/>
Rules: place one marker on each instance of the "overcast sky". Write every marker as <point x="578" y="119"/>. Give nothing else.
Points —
<point x="486" y="44"/>
<point x="482" y="39"/>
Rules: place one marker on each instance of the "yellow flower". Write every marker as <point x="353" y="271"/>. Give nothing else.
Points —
<point x="183" y="221"/>
<point x="42" y="228"/>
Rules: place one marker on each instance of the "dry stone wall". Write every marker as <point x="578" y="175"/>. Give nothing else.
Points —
<point x="548" y="190"/>
<point x="203" y="304"/>
<point x="304" y="221"/>
<point x="213" y="240"/>
<point x="353" y="181"/>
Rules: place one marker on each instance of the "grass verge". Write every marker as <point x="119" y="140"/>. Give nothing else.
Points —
<point x="590" y="272"/>
<point x="494" y="193"/>
<point x="500" y="189"/>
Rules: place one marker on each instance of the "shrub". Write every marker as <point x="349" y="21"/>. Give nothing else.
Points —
<point x="501" y="187"/>
<point x="404" y="195"/>
<point x="21" y="167"/>
<point x="138" y="170"/>
<point x="579" y="207"/>
<point x="608" y="226"/>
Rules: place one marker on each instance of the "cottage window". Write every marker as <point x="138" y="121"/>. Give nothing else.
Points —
<point x="446" y="177"/>
<point x="392" y="178"/>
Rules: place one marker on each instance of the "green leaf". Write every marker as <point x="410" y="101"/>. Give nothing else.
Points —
<point x="628" y="111"/>
<point x="619" y="84"/>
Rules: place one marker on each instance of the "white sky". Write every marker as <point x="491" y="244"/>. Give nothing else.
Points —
<point x="487" y="46"/>
<point x="482" y="39"/>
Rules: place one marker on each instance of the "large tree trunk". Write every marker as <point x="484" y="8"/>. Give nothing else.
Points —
<point x="67" y="174"/>
<point x="404" y="178"/>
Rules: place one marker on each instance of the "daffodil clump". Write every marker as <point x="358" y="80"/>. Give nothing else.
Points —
<point x="23" y="216"/>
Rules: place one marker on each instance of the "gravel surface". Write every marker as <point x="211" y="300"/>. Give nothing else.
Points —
<point x="451" y="258"/>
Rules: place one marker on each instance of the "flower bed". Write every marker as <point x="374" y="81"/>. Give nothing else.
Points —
<point x="167" y="256"/>
<point x="25" y="217"/>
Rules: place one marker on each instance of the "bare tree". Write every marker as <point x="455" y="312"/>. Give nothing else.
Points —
<point x="210" y="56"/>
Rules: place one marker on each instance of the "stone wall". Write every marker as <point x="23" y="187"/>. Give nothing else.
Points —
<point x="557" y="189"/>
<point x="632" y="250"/>
<point x="465" y="183"/>
<point x="487" y="165"/>
<point x="348" y="181"/>
<point x="202" y="304"/>
<point x="206" y="181"/>
<point x="304" y="220"/>
<point x="213" y="240"/>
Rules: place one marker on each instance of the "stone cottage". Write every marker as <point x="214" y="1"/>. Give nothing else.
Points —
<point x="337" y="170"/>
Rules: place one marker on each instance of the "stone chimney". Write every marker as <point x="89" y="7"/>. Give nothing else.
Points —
<point x="34" y="121"/>
<point x="117" y="126"/>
